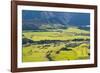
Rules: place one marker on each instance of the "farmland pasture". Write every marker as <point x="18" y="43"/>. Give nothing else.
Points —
<point x="68" y="44"/>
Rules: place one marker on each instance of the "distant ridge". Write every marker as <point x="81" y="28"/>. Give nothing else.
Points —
<point x="33" y="20"/>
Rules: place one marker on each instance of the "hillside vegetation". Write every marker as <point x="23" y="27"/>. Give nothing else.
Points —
<point x="55" y="44"/>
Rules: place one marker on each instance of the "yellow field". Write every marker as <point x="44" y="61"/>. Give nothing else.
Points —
<point x="65" y="49"/>
<point x="65" y="35"/>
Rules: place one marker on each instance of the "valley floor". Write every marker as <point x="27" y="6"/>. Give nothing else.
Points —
<point x="70" y="44"/>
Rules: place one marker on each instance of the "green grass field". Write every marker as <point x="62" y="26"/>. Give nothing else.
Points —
<point x="67" y="44"/>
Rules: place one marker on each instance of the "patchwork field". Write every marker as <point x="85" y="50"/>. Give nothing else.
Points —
<point x="56" y="45"/>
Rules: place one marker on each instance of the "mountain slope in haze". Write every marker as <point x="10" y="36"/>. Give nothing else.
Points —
<point x="33" y="20"/>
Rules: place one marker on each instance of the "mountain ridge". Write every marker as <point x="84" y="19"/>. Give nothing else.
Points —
<point x="32" y="20"/>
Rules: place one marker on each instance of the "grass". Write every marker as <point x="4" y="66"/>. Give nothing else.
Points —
<point x="65" y="35"/>
<point x="59" y="50"/>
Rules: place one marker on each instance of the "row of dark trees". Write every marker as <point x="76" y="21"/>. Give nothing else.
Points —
<point x="26" y="40"/>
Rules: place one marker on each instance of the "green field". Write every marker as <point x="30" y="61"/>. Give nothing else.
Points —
<point x="55" y="45"/>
